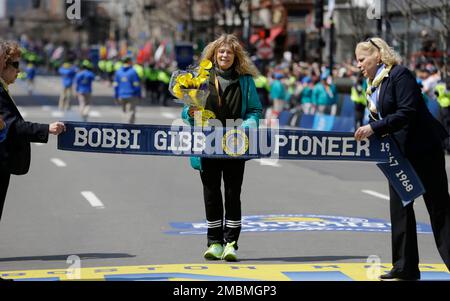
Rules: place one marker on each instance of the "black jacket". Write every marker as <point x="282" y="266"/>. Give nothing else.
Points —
<point x="15" y="151"/>
<point x="405" y="115"/>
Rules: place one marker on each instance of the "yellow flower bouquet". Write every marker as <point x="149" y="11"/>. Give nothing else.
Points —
<point x="191" y="87"/>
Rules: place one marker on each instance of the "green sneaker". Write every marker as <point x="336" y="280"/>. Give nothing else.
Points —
<point x="214" y="252"/>
<point x="229" y="253"/>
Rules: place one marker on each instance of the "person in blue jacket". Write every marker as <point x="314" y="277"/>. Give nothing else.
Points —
<point x="30" y="71"/>
<point x="127" y="88"/>
<point x="67" y="72"/>
<point x="232" y="96"/>
<point x="83" y="81"/>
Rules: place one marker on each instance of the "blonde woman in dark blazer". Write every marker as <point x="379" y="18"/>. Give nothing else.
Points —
<point x="398" y="109"/>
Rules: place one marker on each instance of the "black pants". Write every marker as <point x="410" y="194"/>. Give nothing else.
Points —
<point x="4" y="183"/>
<point x="405" y="254"/>
<point x="211" y="175"/>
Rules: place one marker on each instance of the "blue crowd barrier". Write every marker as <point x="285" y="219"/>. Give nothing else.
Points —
<point x="343" y="124"/>
<point x="306" y="121"/>
<point x="326" y="123"/>
<point x="323" y="122"/>
<point x="347" y="107"/>
<point x="285" y="117"/>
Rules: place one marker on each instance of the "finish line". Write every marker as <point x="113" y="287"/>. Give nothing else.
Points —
<point x="329" y="271"/>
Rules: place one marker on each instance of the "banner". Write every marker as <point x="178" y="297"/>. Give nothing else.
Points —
<point x="400" y="173"/>
<point x="241" y="143"/>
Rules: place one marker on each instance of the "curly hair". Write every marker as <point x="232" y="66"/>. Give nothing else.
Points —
<point x="242" y="62"/>
<point x="388" y="55"/>
<point x="12" y="50"/>
<point x="2" y="48"/>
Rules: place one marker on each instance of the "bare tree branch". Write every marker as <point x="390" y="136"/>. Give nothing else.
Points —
<point x="433" y="11"/>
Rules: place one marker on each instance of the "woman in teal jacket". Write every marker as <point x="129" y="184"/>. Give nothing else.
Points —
<point x="232" y="96"/>
<point x="324" y="94"/>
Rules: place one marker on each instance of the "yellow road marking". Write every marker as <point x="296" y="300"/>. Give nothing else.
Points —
<point x="200" y="271"/>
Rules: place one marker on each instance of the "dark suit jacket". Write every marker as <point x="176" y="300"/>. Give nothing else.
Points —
<point x="405" y="115"/>
<point x="15" y="154"/>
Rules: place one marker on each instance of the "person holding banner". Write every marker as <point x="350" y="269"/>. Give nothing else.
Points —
<point x="232" y="96"/>
<point x="397" y="109"/>
<point x="15" y="149"/>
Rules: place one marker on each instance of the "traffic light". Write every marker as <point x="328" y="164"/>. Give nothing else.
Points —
<point x="318" y="9"/>
<point x="36" y="3"/>
<point x="11" y="21"/>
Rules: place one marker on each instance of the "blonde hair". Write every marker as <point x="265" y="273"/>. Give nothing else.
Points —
<point x="242" y="62"/>
<point x="11" y="50"/>
<point x="388" y="55"/>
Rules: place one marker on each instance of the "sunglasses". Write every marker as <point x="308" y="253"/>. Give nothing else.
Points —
<point x="373" y="43"/>
<point x="14" y="64"/>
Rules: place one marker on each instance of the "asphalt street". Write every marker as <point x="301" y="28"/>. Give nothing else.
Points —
<point x="124" y="210"/>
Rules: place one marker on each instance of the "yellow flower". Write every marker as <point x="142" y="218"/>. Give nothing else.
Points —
<point x="206" y="64"/>
<point x="185" y="80"/>
<point x="203" y="73"/>
<point x="196" y="82"/>
<point x="177" y="91"/>
<point x="201" y="79"/>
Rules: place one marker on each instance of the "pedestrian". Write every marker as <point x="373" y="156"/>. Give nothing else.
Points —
<point x="397" y="109"/>
<point x="277" y="92"/>
<point x="15" y="149"/>
<point x="443" y="99"/>
<point x="67" y="72"/>
<point x="3" y="133"/>
<point x="358" y="97"/>
<point x="83" y="81"/>
<point x="306" y="95"/>
<point x="127" y="88"/>
<point x="263" y="89"/>
<point x="30" y="71"/>
<point x="232" y="96"/>
<point x="324" y="95"/>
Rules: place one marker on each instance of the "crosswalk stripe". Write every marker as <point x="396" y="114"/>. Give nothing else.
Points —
<point x="58" y="162"/>
<point x="376" y="194"/>
<point x="269" y="162"/>
<point x="92" y="199"/>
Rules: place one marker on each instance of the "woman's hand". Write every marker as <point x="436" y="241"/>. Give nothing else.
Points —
<point x="2" y="124"/>
<point x="192" y="110"/>
<point x="363" y="132"/>
<point x="56" y="128"/>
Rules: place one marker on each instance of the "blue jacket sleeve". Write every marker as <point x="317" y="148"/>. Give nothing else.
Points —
<point x="136" y="82"/>
<point x="116" y="85"/>
<point x="77" y="81"/>
<point x="185" y="116"/>
<point x="254" y="107"/>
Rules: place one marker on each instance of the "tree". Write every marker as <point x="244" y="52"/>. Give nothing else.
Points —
<point x="358" y="18"/>
<point x="440" y="11"/>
